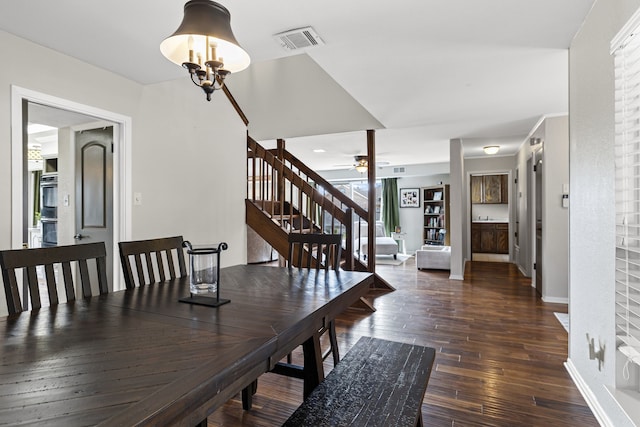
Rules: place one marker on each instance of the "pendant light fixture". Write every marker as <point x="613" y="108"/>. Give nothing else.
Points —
<point x="205" y="45"/>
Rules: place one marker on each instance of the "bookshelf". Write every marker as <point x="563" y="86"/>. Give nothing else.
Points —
<point x="435" y="206"/>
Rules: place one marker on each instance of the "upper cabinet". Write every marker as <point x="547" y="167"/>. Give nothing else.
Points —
<point x="489" y="188"/>
<point x="476" y="189"/>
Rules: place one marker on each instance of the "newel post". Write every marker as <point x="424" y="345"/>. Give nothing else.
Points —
<point x="371" y="180"/>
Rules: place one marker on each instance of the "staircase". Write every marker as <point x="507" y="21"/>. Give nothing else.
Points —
<point x="284" y="195"/>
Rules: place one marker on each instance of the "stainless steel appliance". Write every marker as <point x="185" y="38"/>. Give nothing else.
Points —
<point x="49" y="209"/>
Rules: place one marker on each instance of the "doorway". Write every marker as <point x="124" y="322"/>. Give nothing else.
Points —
<point x="490" y="216"/>
<point x="24" y="100"/>
<point x="538" y="225"/>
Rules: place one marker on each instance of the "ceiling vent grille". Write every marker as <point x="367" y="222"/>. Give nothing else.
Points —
<point x="299" y="38"/>
<point x="398" y="170"/>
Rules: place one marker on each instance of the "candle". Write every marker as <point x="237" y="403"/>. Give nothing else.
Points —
<point x="190" y="45"/>
<point x="214" y="55"/>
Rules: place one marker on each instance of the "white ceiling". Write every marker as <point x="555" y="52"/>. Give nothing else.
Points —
<point x="420" y="71"/>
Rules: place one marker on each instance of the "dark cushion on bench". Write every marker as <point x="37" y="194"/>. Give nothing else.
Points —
<point x="378" y="383"/>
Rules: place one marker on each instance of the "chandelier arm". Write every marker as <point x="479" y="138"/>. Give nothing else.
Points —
<point x="220" y="81"/>
<point x="197" y="83"/>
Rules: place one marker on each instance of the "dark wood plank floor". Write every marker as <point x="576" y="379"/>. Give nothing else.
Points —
<point x="500" y="351"/>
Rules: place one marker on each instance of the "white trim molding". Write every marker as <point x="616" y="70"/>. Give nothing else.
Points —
<point x="588" y="395"/>
<point x="122" y="165"/>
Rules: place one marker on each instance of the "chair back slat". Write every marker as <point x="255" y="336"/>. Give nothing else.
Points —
<point x="14" y="305"/>
<point x="159" y="255"/>
<point x="84" y="277"/>
<point x="34" y="289"/>
<point x="70" y="290"/>
<point x="63" y="256"/>
<point x="102" y="276"/>
<point x="139" y="269"/>
<point x="319" y="251"/>
<point x="51" y="284"/>
<point x="152" y="276"/>
<point x="172" y="268"/>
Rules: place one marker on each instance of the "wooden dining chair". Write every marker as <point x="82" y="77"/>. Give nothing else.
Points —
<point x="307" y="251"/>
<point x="151" y="256"/>
<point x="311" y="250"/>
<point x="317" y="251"/>
<point x="67" y="257"/>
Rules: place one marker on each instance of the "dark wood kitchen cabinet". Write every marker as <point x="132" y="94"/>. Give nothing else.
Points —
<point x="489" y="189"/>
<point x="476" y="189"/>
<point x="502" y="238"/>
<point x="490" y="237"/>
<point x="504" y="188"/>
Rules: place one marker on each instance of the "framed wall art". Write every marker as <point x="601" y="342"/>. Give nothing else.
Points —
<point x="409" y="197"/>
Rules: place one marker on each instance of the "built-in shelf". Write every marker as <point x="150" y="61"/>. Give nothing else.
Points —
<point x="435" y="205"/>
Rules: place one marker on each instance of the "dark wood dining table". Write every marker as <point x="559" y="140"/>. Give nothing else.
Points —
<point x="140" y="357"/>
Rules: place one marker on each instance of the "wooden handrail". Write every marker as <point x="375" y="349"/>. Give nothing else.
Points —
<point x="293" y="200"/>
<point x="334" y="192"/>
<point x="304" y="186"/>
<point x="235" y="104"/>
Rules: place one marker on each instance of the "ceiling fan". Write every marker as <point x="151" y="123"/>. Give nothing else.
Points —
<point x="361" y="163"/>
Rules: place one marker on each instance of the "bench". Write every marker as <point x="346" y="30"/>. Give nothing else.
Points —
<point x="378" y="383"/>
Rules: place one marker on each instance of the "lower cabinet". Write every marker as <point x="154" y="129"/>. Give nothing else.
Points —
<point x="502" y="238"/>
<point x="490" y="237"/>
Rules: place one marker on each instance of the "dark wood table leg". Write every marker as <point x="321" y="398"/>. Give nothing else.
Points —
<point x="247" y="395"/>
<point x="313" y="368"/>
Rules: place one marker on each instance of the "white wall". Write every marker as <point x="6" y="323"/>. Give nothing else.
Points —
<point x="457" y="214"/>
<point x="298" y="88"/>
<point x="591" y="215"/>
<point x="191" y="168"/>
<point x="553" y="132"/>
<point x="188" y="155"/>
<point x="555" y="218"/>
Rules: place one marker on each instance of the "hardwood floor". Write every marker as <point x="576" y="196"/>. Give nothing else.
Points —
<point x="499" y="351"/>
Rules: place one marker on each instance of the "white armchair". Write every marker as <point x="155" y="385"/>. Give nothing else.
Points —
<point x="434" y="257"/>
<point x="384" y="245"/>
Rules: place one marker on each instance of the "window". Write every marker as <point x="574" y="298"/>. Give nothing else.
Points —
<point x="626" y="51"/>
<point x="358" y="191"/>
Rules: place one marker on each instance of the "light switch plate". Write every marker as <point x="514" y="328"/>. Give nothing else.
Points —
<point x="137" y="199"/>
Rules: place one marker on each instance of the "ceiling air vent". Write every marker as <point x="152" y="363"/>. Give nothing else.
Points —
<point x="398" y="170"/>
<point x="299" y="38"/>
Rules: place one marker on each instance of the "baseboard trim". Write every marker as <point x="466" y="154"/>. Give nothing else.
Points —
<point x="458" y="276"/>
<point x="588" y="395"/>
<point x="556" y="300"/>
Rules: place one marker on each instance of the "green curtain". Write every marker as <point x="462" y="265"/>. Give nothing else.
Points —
<point x="36" y="196"/>
<point x="390" y="211"/>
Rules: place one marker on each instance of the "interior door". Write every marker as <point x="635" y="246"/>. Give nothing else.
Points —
<point x="539" y="225"/>
<point x="94" y="190"/>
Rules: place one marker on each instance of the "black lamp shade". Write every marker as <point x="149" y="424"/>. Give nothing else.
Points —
<point x="203" y="21"/>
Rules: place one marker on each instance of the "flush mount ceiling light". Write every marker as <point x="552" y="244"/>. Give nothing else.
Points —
<point x="205" y="45"/>
<point x="362" y="164"/>
<point x="491" y="149"/>
<point x="34" y="154"/>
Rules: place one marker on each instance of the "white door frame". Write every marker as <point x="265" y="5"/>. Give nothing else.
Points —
<point x="121" y="166"/>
